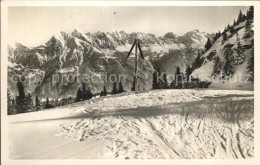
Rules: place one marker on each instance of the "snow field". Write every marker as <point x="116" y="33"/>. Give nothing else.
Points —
<point x="161" y="124"/>
<point x="198" y="130"/>
<point x="193" y="132"/>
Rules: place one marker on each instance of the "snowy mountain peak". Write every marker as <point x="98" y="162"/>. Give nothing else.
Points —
<point x="20" y="46"/>
<point x="64" y="35"/>
<point x="195" y="34"/>
<point x="170" y="35"/>
<point x="194" y="39"/>
<point x="196" y="31"/>
<point x="56" y="40"/>
<point x="77" y="33"/>
<point x="122" y="32"/>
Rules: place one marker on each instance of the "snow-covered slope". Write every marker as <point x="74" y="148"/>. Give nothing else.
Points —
<point x="241" y="50"/>
<point x="181" y="124"/>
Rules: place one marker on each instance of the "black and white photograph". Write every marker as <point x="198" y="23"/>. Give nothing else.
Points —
<point x="129" y="82"/>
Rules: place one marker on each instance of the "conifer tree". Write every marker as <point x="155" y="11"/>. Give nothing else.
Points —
<point x="105" y="91"/>
<point x="248" y="29"/>
<point x="84" y="92"/>
<point x="250" y="13"/>
<point x="89" y="94"/>
<point x="217" y="66"/>
<point x="208" y="45"/>
<point x="48" y="104"/>
<point x="114" y="90"/>
<point x="29" y="102"/>
<point x="155" y="83"/>
<point x="234" y="23"/>
<point x="78" y="95"/>
<point x="178" y="79"/>
<point x="225" y="30"/>
<point x="188" y="73"/>
<point x="239" y="59"/>
<point x="165" y="81"/>
<point x="10" y="104"/>
<point x="163" y="84"/>
<point x="250" y="65"/>
<point x="160" y="81"/>
<point x="228" y="68"/>
<point x="37" y="104"/>
<point x="121" y="88"/>
<point x="21" y="100"/>
<point x="243" y="17"/>
<point x="240" y="17"/>
<point x="228" y="27"/>
<point x="217" y="35"/>
<point x="232" y="30"/>
<point x="224" y="37"/>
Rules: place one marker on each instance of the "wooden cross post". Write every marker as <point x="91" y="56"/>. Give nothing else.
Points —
<point x="137" y="46"/>
<point x="136" y="66"/>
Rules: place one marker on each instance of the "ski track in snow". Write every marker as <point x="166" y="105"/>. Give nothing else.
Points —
<point x="165" y="136"/>
<point x="195" y="131"/>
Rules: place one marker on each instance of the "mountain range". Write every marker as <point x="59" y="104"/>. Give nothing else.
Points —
<point x="97" y="54"/>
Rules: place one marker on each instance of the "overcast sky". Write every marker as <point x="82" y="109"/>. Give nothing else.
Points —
<point x="32" y="26"/>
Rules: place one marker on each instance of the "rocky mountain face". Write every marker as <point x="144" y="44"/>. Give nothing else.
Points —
<point x="57" y="68"/>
